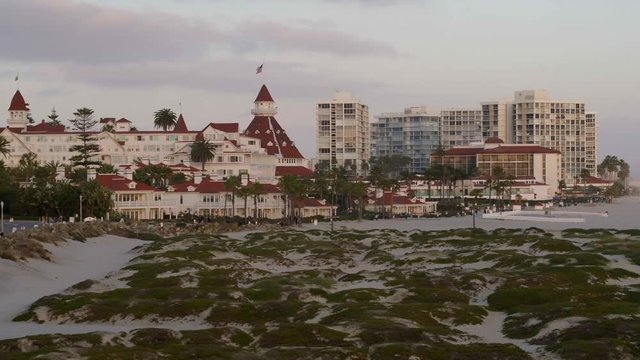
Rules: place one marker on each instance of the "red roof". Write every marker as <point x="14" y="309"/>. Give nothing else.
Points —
<point x="44" y="127"/>
<point x="106" y="120"/>
<point x="596" y="180"/>
<point x="494" y="140"/>
<point x="226" y="127"/>
<point x="272" y="137"/>
<point x="18" y="103"/>
<point x="123" y="120"/>
<point x="397" y="200"/>
<point x="311" y="202"/>
<point x="264" y="94"/>
<point x="458" y="151"/>
<point x="525" y="149"/>
<point x="120" y="183"/>
<point x="181" y="125"/>
<point x="294" y="170"/>
<point x="209" y="186"/>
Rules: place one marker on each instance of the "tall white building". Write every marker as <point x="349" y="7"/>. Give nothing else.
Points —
<point x="496" y="120"/>
<point x="560" y="125"/>
<point x="343" y="133"/>
<point x="414" y="133"/>
<point x="461" y="127"/>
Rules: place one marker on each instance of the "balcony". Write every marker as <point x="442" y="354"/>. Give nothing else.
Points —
<point x="144" y="204"/>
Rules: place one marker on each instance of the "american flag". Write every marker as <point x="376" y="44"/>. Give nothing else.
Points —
<point x="259" y="69"/>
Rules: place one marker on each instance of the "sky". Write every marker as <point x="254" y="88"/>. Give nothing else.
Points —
<point x="126" y="58"/>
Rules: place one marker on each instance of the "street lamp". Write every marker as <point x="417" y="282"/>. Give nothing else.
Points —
<point x="80" y="208"/>
<point x="2" y="216"/>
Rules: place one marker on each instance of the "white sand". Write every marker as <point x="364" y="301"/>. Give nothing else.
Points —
<point x="23" y="283"/>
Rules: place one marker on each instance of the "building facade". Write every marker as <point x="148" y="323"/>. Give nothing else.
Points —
<point x="496" y="120"/>
<point x="413" y="133"/>
<point x="343" y="138"/>
<point x="263" y="150"/>
<point x="461" y="127"/>
<point x="564" y="126"/>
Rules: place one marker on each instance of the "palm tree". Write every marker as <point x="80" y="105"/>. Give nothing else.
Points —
<point x="164" y="119"/>
<point x="244" y="192"/>
<point x="257" y="189"/>
<point x="4" y="146"/>
<point x="202" y="151"/>
<point x="232" y="184"/>
<point x="584" y="175"/>
<point x="359" y="191"/>
<point x="287" y="186"/>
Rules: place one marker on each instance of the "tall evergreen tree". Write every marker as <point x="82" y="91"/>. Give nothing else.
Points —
<point x="53" y="118"/>
<point x="88" y="148"/>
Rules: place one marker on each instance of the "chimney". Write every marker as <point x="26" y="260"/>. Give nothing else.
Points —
<point x="197" y="177"/>
<point x="128" y="174"/>
<point x="91" y="174"/>
<point x="244" y="179"/>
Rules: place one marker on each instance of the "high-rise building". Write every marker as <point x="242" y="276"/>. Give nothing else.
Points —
<point x="461" y="127"/>
<point x="560" y="125"/>
<point x="343" y="133"/>
<point x="413" y="133"/>
<point x="496" y="120"/>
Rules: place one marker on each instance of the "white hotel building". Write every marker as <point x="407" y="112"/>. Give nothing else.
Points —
<point x="262" y="152"/>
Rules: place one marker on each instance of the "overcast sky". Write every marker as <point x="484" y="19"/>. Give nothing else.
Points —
<point x="128" y="58"/>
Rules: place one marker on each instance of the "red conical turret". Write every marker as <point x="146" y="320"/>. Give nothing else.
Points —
<point x="264" y="94"/>
<point x="18" y="103"/>
<point x="181" y="125"/>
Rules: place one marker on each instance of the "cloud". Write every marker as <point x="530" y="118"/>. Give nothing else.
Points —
<point x="39" y="30"/>
<point x="230" y="76"/>
<point x="265" y="36"/>
<point x="64" y="30"/>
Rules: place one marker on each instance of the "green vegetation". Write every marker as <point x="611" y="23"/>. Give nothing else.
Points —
<point x="380" y="294"/>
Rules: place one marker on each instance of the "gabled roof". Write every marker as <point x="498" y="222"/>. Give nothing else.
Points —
<point x="119" y="183"/>
<point x="181" y="125"/>
<point x="596" y="180"/>
<point x="311" y="202"/>
<point x="225" y="127"/>
<point x="264" y="94"/>
<point x="294" y="170"/>
<point x="459" y="151"/>
<point x="123" y="120"/>
<point x="107" y="120"/>
<point x="494" y="140"/>
<point x="18" y="103"/>
<point x="273" y="137"/>
<point x="44" y="127"/>
<point x="520" y="149"/>
<point x="389" y="198"/>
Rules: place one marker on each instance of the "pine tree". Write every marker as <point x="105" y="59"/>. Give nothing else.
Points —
<point x="53" y="118"/>
<point x="83" y="122"/>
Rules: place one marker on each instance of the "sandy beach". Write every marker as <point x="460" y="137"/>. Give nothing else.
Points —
<point x="25" y="282"/>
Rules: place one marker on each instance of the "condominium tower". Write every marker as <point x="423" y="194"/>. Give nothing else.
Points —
<point x="343" y="133"/>
<point x="461" y="127"/>
<point x="413" y="133"/>
<point x="560" y="125"/>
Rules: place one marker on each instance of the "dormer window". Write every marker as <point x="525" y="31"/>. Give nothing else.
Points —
<point x="191" y="189"/>
<point x="277" y="131"/>
<point x="269" y="143"/>
<point x="132" y="185"/>
<point x="268" y="131"/>
<point x="257" y="132"/>
<point x="284" y="143"/>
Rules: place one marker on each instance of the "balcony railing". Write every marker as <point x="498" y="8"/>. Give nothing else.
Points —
<point x="144" y="204"/>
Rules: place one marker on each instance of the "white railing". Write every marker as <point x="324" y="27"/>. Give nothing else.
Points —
<point x="144" y="204"/>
